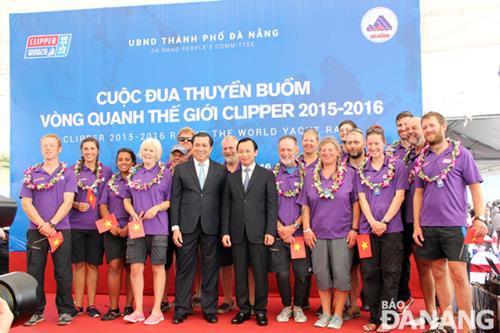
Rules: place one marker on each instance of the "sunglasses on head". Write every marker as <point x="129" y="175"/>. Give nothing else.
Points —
<point x="185" y="138"/>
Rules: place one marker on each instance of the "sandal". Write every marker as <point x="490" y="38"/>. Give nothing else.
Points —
<point x="384" y="329"/>
<point x="371" y="327"/>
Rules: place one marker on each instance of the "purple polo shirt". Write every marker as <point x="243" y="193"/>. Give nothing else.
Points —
<point x="379" y="204"/>
<point x="310" y="167"/>
<point x="86" y="220"/>
<point x="158" y="193"/>
<point x="330" y="219"/>
<point x="399" y="151"/>
<point x="47" y="202"/>
<point x="115" y="201"/>
<point x="288" y="208"/>
<point x="411" y="189"/>
<point x="447" y="206"/>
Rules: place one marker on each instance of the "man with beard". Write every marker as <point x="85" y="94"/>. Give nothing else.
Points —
<point x="345" y="127"/>
<point x="402" y="145"/>
<point x="443" y="171"/>
<point x="417" y="141"/>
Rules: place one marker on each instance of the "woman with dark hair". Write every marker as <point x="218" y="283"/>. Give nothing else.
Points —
<point x="115" y="240"/>
<point x="87" y="247"/>
<point x="381" y="183"/>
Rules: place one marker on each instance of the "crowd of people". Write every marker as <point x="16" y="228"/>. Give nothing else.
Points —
<point x="243" y="220"/>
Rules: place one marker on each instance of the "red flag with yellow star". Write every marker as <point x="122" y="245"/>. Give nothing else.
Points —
<point x="91" y="199"/>
<point x="106" y="223"/>
<point x="298" y="248"/>
<point x="364" y="246"/>
<point x="55" y="241"/>
<point x="135" y="229"/>
<point x="470" y="237"/>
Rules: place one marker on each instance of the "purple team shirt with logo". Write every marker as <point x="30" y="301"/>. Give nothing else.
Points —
<point x="446" y="206"/>
<point x="155" y="195"/>
<point x="330" y="219"/>
<point x="86" y="220"/>
<point x="399" y="151"/>
<point x="288" y="208"/>
<point x="115" y="201"/>
<point x="379" y="204"/>
<point x="309" y="168"/>
<point x="47" y="202"/>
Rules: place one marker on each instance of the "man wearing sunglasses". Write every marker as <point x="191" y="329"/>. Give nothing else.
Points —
<point x="185" y="138"/>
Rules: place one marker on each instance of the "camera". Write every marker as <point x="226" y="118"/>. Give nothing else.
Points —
<point x="18" y="289"/>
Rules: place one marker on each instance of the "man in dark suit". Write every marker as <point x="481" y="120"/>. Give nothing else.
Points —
<point x="249" y="215"/>
<point x="197" y="189"/>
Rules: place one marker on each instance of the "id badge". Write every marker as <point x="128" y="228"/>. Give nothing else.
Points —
<point x="376" y="191"/>
<point x="440" y="183"/>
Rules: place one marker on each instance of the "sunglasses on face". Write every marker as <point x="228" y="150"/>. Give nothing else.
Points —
<point x="185" y="138"/>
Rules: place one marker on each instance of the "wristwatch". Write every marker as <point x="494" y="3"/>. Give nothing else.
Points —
<point x="385" y="222"/>
<point x="296" y="225"/>
<point x="52" y="225"/>
<point x="480" y="218"/>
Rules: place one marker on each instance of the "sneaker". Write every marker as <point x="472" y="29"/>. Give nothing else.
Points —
<point x="128" y="310"/>
<point x="284" y="315"/>
<point x="93" y="312"/>
<point x="196" y="301"/>
<point x="78" y="310"/>
<point x="134" y="317"/>
<point x="112" y="314"/>
<point x="64" y="319"/>
<point x="298" y="315"/>
<point x="336" y="322"/>
<point x="225" y="307"/>
<point x="34" y="319"/>
<point x="323" y="320"/>
<point x="165" y="306"/>
<point x="153" y="319"/>
<point x="409" y="302"/>
<point x="349" y="315"/>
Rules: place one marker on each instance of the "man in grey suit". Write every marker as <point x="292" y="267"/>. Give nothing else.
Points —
<point x="249" y="215"/>
<point x="197" y="189"/>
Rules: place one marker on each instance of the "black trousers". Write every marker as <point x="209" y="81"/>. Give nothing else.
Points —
<point x="37" y="260"/>
<point x="404" y="292"/>
<point x="4" y="257"/>
<point x="381" y="273"/>
<point x="257" y="255"/>
<point x="186" y="264"/>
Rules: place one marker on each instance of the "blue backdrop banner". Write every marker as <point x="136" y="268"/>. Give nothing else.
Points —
<point x="259" y="68"/>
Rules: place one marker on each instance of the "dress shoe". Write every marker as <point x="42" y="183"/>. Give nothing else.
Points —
<point x="240" y="318"/>
<point x="178" y="318"/>
<point x="210" y="318"/>
<point x="261" y="319"/>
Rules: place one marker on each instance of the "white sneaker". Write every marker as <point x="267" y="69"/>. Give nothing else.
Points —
<point x="323" y="320"/>
<point x="285" y="314"/>
<point x="336" y="322"/>
<point x="298" y="315"/>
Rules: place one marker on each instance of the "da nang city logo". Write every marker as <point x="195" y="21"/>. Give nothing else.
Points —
<point x="379" y="24"/>
<point x="47" y="46"/>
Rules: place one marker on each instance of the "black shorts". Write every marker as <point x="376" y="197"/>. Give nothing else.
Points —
<point x="280" y="259"/>
<point x="114" y="246"/>
<point x="443" y="242"/>
<point x="225" y="256"/>
<point x="87" y="246"/>
<point x="170" y="252"/>
<point x="153" y="245"/>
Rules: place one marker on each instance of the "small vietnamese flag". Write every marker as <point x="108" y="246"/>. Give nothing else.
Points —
<point x="91" y="199"/>
<point x="364" y="246"/>
<point x="106" y="223"/>
<point x="55" y="241"/>
<point x="470" y="237"/>
<point x="135" y="229"/>
<point x="298" y="249"/>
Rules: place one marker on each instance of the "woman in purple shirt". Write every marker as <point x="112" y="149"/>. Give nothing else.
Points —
<point x="115" y="240"/>
<point x="381" y="184"/>
<point x="87" y="247"/>
<point x="330" y="216"/>
<point x="147" y="199"/>
<point x="310" y="140"/>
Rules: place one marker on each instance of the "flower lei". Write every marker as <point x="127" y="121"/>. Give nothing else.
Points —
<point x="337" y="183"/>
<point x="387" y="177"/>
<point x="298" y="185"/>
<point x="28" y="178"/>
<point x="419" y="170"/>
<point x="146" y="186"/>
<point x="111" y="184"/>
<point x="170" y="166"/>
<point x="406" y="158"/>
<point x="99" y="178"/>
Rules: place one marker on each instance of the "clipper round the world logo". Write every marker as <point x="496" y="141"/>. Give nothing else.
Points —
<point x="379" y="24"/>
